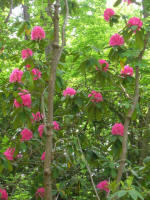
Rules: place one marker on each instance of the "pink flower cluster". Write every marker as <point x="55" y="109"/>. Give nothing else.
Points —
<point x="103" y="185"/>
<point x="69" y="92"/>
<point x="37" y="117"/>
<point x="41" y="128"/>
<point x="117" y="129"/>
<point x="36" y="73"/>
<point x="128" y="1"/>
<point x="135" y="21"/>
<point x="3" y="194"/>
<point x="104" y="65"/>
<point x="9" y="153"/>
<point x="16" y="76"/>
<point x="26" y="135"/>
<point x="95" y="96"/>
<point x="43" y="156"/>
<point x="37" y="33"/>
<point x="40" y="193"/>
<point x="116" y="40"/>
<point x="108" y="13"/>
<point x="26" y="99"/>
<point x="127" y="71"/>
<point x="26" y="53"/>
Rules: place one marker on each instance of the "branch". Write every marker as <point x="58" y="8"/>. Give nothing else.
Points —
<point x="88" y="168"/>
<point x="125" y="92"/>
<point x="43" y="111"/>
<point x="129" y="115"/>
<point x="64" y="27"/>
<point x="49" y="10"/>
<point x="10" y="11"/>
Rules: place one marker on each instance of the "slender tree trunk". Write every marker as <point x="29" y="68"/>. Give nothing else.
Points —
<point x="26" y="16"/>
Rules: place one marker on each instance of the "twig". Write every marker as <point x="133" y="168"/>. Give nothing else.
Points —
<point x="88" y="168"/>
<point x="10" y="11"/>
<point x="125" y="92"/>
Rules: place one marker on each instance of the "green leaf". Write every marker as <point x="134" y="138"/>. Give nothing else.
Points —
<point x="139" y="41"/>
<point x="120" y="193"/>
<point x="117" y="3"/>
<point x="134" y="194"/>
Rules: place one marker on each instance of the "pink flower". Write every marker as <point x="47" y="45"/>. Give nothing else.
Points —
<point x="116" y="40"/>
<point x="26" y="53"/>
<point x="96" y="96"/>
<point x="40" y="192"/>
<point x="104" y="65"/>
<point x="3" y="194"/>
<point x="108" y="13"/>
<point x="19" y="155"/>
<point x="36" y="73"/>
<point x="69" y="91"/>
<point x="9" y="153"/>
<point x="56" y="125"/>
<point x="37" y="117"/>
<point x="41" y="130"/>
<point x="26" y="135"/>
<point x="26" y="99"/>
<point x="103" y="185"/>
<point x="127" y="71"/>
<point x="117" y="129"/>
<point x="16" y="76"/>
<point x="43" y="156"/>
<point x="128" y="1"/>
<point x="37" y="33"/>
<point x="135" y="21"/>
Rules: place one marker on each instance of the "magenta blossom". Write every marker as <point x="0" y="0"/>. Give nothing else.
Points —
<point x="56" y="126"/>
<point x="26" y="135"/>
<point x="36" y="73"/>
<point x="40" y="193"/>
<point x="135" y="21"/>
<point x="108" y="13"/>
<point x="69" y="92"/>
<point x="26" y="99"/>
<point x="127" y="71"/>
<point x="16" y="76"/>
<point x="3" y="194"/>
<point x="43" y="156"/>
<point x="41" y="130"/>
<point x="37" y="117"/>
<point x="117" y="129"/>
<point x="103" y="185"/>
<point x="9" y="153"/>
<point x="37" y="33"/>
<point x="26" y="53"/>
<point x="116" y="40"/>
<point x="95" y="96"/>
<point x="28" y="66"/>
<point x="102" y="63"/>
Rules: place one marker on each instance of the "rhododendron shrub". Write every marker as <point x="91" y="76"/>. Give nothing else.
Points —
<point x="26" y="99"/>
<point x="26" y="135"/>
<point x="108" y="13"/>
<point x="127" y="71"/>
<point x="40" y="193"/>
<point x="9" y="153"/>
<point x="117" y="129"/>
<point x="26" y="53"/>
<point x="136" y="22"/>
<point x="3" y="194"/>
<point x="37" y="33"/>
<point x="116" y="40"/>
<point x="56" y="126"/>
<point x="95" y="96"/>
<point x="104" y="64"/>
<point x="36" y="74"/>
<point x="69" y="92"/>
<point x="103" y="185"/>
<point x="43" y="156"/>
<point x="16" y="76"/>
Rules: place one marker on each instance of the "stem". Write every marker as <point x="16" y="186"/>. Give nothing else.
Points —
<point x="88" y="168"/>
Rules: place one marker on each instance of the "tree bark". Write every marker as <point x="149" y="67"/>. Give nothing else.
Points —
<point x="56" y="54"/>
<point x="10" y="11"/>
